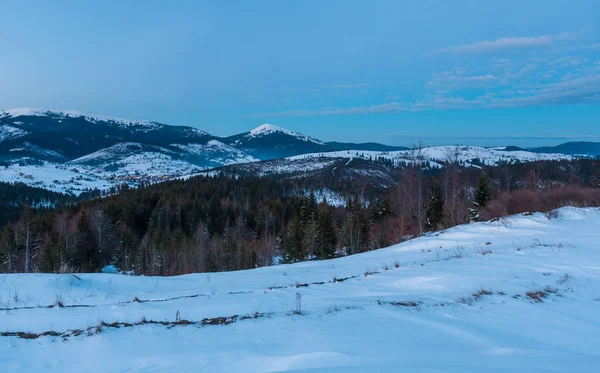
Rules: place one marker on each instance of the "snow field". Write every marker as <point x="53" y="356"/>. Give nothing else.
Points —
<point x="517" y="294"/>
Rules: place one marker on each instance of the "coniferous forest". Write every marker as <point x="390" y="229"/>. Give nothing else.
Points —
<point x="223" y="223"/>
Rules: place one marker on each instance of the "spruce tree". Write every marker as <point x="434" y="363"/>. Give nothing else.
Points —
<point x="88" y="257"/>
<point x="214" y="219"/>
<point x="483" y="195"/>
<point x="326" y="237"/>
<point x="595" y="176"/>
<point x="292" y="244"/>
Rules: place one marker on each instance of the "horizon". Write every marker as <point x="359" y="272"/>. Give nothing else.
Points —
<point x="480" y="73"/>
<point x="528" y="143"/>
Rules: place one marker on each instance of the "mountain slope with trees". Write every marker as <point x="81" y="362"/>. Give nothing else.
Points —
<point x="222" y="223"/>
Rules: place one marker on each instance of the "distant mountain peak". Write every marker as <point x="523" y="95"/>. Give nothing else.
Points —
<point x="90" y="117"/>
<point x="269" y="129"/>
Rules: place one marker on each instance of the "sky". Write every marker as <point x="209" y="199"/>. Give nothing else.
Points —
<point x="521" y="72"/>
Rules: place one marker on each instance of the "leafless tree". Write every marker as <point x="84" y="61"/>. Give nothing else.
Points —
<point x="102" y="229"/>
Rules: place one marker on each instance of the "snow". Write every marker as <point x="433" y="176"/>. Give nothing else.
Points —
<point x="332" y="198"/>
<point x="284" y="166"/>
<point x="470" y="312"/>
<point x="218" y="152"/>
<point x="9" y="132"/>
<point x="54" y="176"/>
<point x="29" y="147"/>
<point x="436" y="155"/>
<point x="116" y="153"/>
<point x="142" y="125"/>
<point x="269" y="129"/>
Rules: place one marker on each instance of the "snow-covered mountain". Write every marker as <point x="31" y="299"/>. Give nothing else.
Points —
<point x="8" y="132"/>
<point x="519" y="294"/>
<point x="61" y="115"/>
<point x="115" y="150"/>
<point x="269" y="142"/>
<point x="270" y="129"/>
<point x="437" y="156"/>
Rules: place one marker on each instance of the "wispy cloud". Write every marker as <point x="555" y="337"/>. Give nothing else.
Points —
<point x="391" y="107"/>
<point x="579" y="90"/>
<point x="573" y="91"/>
<point x="506" y="43"/>
<point x="344" y="86"/>
<point x="551" y="78"/>
<point x="583" y="90"/>
<point x="455" y="81"/>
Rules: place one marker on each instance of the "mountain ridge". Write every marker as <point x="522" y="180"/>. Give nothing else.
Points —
<point x="74" y="151"/>
<point x="73" y="134"/>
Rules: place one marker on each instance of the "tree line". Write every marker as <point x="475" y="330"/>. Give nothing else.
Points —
<point x="209" y="224"/>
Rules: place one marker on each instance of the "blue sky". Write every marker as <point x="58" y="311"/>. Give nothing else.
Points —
<point x="472" y="72"/>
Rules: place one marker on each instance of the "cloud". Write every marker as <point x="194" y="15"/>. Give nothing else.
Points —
<point x="506" y="43"/>
<point x="555" y="79"/>
<point x="344" y="86"/>
<point x="446" y="103"/>
<point x="578" y="90"/>
<point x="583" y="90"/>
<point x="386" y="108"/>
<point x="573" y="91"/>
<point x="448" y="80"/>
<point x="568" y="61"/>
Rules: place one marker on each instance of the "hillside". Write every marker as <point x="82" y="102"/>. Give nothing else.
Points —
<point x="518" y="294"/>
<point x="108" y="151"/>
<point x="580" y="148"/>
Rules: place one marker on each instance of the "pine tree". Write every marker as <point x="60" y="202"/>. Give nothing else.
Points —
<point x="356" y="228"/>
<point x="482" y="197"/>
<point x="308" y="211"/>
<point x="326" y="237"/>
<point x="214" y="220"/>
<point x="434" y="212"/>
<point x="87" y="257"/>
<point x="292" y="244"/>
<point x="595" y="176"/>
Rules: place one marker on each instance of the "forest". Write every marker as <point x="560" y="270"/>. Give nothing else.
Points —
<point x="223" y="223"/>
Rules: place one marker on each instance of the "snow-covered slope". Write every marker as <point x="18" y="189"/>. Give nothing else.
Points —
<point x="517" y="295"/>
<point x="438" y="155"/>
<point x="55" y="177"/>
<point x="116" y="153"/>
<point x="9" y="132"/>
<point x="270" y="142"/>
<point x="29" y="148"/>
<point x="270" y="129"/>
<point x="216" y="153"/>
<point x="141" y="125"/>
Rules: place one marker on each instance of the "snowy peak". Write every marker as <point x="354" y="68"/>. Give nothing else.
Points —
<point x="267" y="128"/>
<point x="270" y="129"/>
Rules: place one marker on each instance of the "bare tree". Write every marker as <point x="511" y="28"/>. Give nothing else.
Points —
<point x="102" y="229"/>
<point x="67" y="230"/>
<point x="453" y="197"/>
<point x="26" y="223"/>
<point x="417" y="157"/>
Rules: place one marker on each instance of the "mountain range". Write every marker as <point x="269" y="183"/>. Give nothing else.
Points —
<point x="71" y="151"/>
<point x="77" y="137"/>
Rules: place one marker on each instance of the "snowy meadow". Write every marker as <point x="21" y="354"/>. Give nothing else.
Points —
<point x="519" y="294"/>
